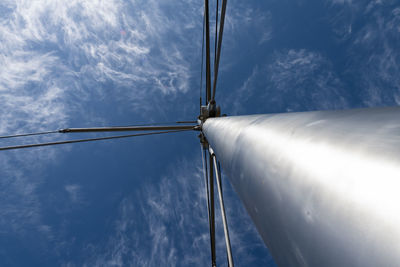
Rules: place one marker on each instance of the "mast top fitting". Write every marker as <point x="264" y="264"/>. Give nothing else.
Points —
<point x="209" y="111"/>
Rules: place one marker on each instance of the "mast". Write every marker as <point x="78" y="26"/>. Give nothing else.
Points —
<point x="323" y="188"/>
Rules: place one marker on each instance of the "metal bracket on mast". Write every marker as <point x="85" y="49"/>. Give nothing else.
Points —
<point x="209" y="111"/>
<point x="203" y="141"/>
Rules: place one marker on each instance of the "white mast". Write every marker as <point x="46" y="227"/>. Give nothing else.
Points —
<point x="323" y="188"/>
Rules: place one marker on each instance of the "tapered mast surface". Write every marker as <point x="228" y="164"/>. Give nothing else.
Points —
<point x="323" y="188"/>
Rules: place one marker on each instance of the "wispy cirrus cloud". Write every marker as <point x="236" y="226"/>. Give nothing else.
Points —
<point x="25" y="105"/>
<point x="302" y="79"/>
<point x="76" y="49"/>
<point x="173" y="226"/>
<point x="74" y="191"/>
<point x="378" y="39"/>
<point x="172" y="229"/>
<point x="373" y="61"/>
<point x="243" y="17"/>
<point x="60" y="57"/>
<point x="292" y="80"/>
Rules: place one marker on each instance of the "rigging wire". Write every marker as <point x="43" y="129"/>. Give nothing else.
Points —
<point x="27" y="134"/>
<point x="202" y="62"/>
<point x="208" y="67"/>
<point x="216" y="33"/>
<point x="205" y="171"/>
<point x="157" y="123"/>
<point x="219" y="171"/>
<point x="223" y="213"/>
<point x="221" y="32"/>
<point x="186" y="122"/>
<point x="128" y="129"/>
<point x="61" y="131"/>
<point x="87" y="140"/>
<point x="212" y="212"/>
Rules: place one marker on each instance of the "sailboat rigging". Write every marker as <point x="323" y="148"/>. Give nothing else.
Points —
<point x="321" y="187"/>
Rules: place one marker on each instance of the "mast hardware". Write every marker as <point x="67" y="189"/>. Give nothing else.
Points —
<point x="203" y="141"/>
<point x="209" y="111"/>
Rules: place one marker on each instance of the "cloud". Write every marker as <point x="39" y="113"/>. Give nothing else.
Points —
<point x="304" y="80"/>
<point x="373" y="60"/>
<point x="379" y="70"/>
<point x="22" y="105"/>
<point x="169" y="226"/>
<point x="243" y="17"/>
<point x="245" y="26"/>
<point x="172" y="229"/>
<point x="62" y="58"/>
<point x="53" y="53"/>
<point x="20" y="209"/>
<point x="292" y="80"/>
<point x="245" y="92"/>
<point x="74" y="192"/>
<point x="59" y="59"/>
<point x="342" y="1"/>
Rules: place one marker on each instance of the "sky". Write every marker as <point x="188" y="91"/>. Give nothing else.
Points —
<point x="141" y="201"/>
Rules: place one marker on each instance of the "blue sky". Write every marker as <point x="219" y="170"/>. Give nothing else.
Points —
<point x="140" y="202"/>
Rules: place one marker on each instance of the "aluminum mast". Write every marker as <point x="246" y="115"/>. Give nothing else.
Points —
<point x="323" y="188"/>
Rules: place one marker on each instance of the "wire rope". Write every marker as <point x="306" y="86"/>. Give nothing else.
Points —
<point x="27" y="134"/>
<point x="202" y="61"/>
<point x="60" y="131"/>
<point x="208" y="66"/>
<point x="155" y="124"/>
<point x="221" y="32"/>
<point x="223" y="213"/>
<point x="86" y="140"/>
<point x="216" y="33"/>
<point x="212" y="212"/>
<point x="205" y="171"/>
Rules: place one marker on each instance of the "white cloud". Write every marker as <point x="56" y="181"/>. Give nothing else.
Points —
<point x="293" y="80"/>
<point x="369" y="32"/>
<point x="374" y="59"/>
<point x="19" y="206"/>
<point x="244" y="19"/>
<point x="342" y="1"/>
<point x="58" y="52"/>
<point x="301" y="80"/>
<point x="244" y="93"/>
<point x="58" y="58"/>
<point x="170" y="225"/>
<point x="70" y="48"/>
<point x="74" y="192"/>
